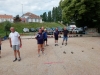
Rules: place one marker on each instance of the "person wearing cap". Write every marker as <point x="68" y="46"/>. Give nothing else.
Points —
<point x="45" y="37"/>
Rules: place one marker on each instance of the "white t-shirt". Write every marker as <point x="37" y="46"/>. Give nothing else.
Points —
<point x="14" y="38"/>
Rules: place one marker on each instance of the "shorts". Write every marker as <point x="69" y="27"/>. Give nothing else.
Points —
<point x="0" y="47"/>
<point x="15" y="47"/>
<point x="65" y="38"/>
<point x="45" y="39"/>
<point x="56" y="38"/>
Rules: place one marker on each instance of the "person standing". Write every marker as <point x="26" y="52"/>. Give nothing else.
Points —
<point x="65" y="35"/>
<point x="56" y="33"/>
<point x="40" y="42"/>
<point x="42" y="28"/>
<point x="45" y="37"/>
<point x="0" y="47"/>
<point x="15" y="43"/>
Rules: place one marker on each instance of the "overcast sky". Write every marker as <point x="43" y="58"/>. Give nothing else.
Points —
<point x="14" y="7"/>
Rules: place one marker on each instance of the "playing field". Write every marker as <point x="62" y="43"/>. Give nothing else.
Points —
<point x="80" y="57"/>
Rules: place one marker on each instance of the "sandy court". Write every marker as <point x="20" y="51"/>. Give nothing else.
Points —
<point x="80" y="57"/>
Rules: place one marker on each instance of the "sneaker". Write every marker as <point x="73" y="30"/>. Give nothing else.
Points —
<point x="65" y="44"/>
<point x="15" y="60"/>
<point x="19" y="59"/>
<point x="47" y="45"/>
<point x="62" y="44"/>
<point x="39" y="55"/>
<point x="43" y="53"/>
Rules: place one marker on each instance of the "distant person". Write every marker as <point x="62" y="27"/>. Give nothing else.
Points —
<point x="15" y="43"/>
<point x="45" y="37"/>
<point x="40" y="42"/>
<point x="56" y="33"/>
<point x="42" y="28"/>
<point x="65" y="35"/>
<point x="0" y="47"/>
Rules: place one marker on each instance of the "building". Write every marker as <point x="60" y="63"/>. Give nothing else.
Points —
<point x="29" y="17"/>
<point x="5" y="17"/>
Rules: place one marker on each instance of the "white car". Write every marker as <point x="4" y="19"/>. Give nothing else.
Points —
<point x="75" y="31"/>
<point x="25" y="30"/>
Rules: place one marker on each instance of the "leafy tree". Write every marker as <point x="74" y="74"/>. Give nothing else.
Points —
<point x="44" y="17"/>
<point x="83" y="12"/>
<point x="17" y="19"/>
<point x="7" y="26"/>
<point x="49" y="16"/>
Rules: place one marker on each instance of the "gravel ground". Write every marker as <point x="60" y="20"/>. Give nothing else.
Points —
<point x="80" y="57"/>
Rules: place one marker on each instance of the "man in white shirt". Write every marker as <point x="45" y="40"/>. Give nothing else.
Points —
<point x="15" y="42"/>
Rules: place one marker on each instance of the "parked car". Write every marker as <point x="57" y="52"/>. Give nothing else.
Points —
<point x="49" y="31"/>
<point x="53" y="28"/>
<point x="25" y="30"/>
<point x="37" y="29"/>
<point x="32" y="30"/>
<point x="60" y="29"/>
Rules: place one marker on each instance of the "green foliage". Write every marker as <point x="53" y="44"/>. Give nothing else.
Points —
<point x="53" y="16"/>
<point x="19" y="26"/>
<point x="17" y="19"/>
<point x="83" y="12"/>
<point x="49" y="17"/>
<point x="7" y="26"/>
<point x="44" y="17"/>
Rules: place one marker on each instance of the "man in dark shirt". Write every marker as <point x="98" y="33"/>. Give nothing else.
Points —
<point x="56" y="33"/>
<point x="65" y="35"/>
<point x="40" y="42"/>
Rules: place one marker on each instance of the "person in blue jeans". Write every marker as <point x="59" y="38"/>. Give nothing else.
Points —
<point x="65" y="35"/>
<point x="45" y="37"/>
<point x="56" y="33"/>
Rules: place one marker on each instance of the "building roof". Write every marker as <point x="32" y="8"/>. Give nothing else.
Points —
<point x="6" y="16"/>
<point x="31" y="15"/>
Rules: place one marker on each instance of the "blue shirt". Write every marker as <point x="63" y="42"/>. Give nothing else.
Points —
<point x="39" y="38"/>
<point x="44" y="35"/>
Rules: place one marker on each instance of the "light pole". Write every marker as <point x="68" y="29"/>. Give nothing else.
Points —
<point x="22" y="9"/>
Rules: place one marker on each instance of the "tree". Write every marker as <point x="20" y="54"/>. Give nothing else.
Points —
<point x="7" y="26"/>
<point x="83" y="12"/>
<point x="17" y="18"/>
<point x="44" y="17"/>
<point x="49" y="16"/>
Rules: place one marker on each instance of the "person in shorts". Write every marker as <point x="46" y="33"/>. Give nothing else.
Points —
<point x="65" y="35"/>
<point x="56" y="33"/>
<point x="15" y="42"/>
<point x="45" y="37"/>
<point x="42" y="28"/>
<point x="0" y="47"/>
<point x="40" y="42"/>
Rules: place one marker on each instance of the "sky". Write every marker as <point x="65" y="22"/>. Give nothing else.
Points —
<point x="17" y="7"/>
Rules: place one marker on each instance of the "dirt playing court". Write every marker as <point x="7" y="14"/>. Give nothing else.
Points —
<point x="80" y="57"/>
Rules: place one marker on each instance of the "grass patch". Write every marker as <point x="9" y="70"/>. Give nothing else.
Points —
<point x="19" y="26"/>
